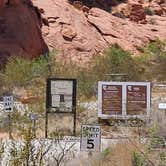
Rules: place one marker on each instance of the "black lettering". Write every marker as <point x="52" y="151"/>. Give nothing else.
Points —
<point x="90" y="144"/>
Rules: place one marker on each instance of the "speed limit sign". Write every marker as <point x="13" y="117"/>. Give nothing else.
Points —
<point x="90" y="138"/>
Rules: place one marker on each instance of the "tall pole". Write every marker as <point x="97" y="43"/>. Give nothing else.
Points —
<point x="9" y="127"/>
<point x="46" y="124"/>
<point x="74" y="129"/>
<point x="34" y="127"/>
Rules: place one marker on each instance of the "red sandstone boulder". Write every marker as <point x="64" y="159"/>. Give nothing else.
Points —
<point x="68" y="32"/>
<point x="20" y="32"/>
<point x="136" y="12"/>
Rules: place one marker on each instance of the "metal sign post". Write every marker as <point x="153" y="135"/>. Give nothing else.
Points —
<point x="10" y="126"/>
<point x="46" y="123"/>
<point x="33" y="117"/>
<point x="8" y="108"/>
<point x="61" y="98"/>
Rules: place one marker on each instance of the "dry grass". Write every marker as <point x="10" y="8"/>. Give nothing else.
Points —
<point x="120" y="155"/>
<point x="158" y="116"/>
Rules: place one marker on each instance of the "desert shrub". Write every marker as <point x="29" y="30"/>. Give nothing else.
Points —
<point x="1" y="149"/>
<point x="151" y="64"/>
<point x="29" y="75"/>
<point x="21" y="72"/>
<point x="162" y="158"/>
<point x="86" y="84"/>
<point x="114" y="60"/>
<point x="138" y="159"/>
<point x="64" y="69"/>
<point x="155" y="137"/>
<point x="158" y="51"/>
<point x="85" y="79"/>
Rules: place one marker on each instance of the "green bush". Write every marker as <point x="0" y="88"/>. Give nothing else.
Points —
<point x="21" y="72"/>
<point x="162" y="158"/>
<point x="151" y="64"/>
<point x="137" y="159"/>
<point x="115" y="60"/>
<point x="155" y="138"/>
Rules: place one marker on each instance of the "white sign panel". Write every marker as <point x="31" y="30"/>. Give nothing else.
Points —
<point x="61" y="87"/>
<point x="17" y="105"/>
<point x="90" y="138"/>
<point x="33" y="116"/>
<point x="62" y="94"/>
<point x="8" y="103"/>
<point x="162" y="106"/>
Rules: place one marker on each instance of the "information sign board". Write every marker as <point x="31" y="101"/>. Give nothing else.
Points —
<point x="90" y="138"/>
<point x="61" y="98"/>
<point x="123" y="99"/>
<point x="136" y="99"/>
<point x="112" y="99"/>
<point x="61" y="94"/>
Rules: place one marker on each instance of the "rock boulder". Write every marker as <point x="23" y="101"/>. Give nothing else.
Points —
<point x="20" y="30"/>
<point x="136" y="12"/>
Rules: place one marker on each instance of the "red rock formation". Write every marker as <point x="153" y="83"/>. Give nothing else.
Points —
<point x="136" y="12"/>
<point x="20" y="32"/>
<point x="79" y="38"/>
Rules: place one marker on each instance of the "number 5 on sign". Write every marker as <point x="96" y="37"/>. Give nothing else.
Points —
<point x="90" y="138"/>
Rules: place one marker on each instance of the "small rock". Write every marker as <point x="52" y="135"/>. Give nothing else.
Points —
<point x="68" y="32"/>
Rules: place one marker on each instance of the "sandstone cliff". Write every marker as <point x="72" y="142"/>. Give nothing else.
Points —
<point x="20" y="30"/>
<point x="81" y="34"/>
<point x="78" y="31"/>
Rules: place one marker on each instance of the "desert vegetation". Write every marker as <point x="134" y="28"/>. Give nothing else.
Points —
<point x="149" y="66"/>
<point x="32" y="74"/>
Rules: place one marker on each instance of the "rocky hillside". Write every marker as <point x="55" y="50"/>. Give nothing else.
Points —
<point x="79" y="29"/>
<point x="81" y="32"/>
